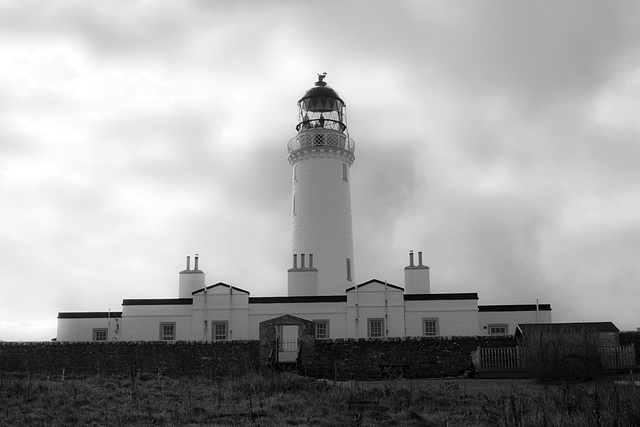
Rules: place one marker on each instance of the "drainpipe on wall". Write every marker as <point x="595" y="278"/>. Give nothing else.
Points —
<point x="206" y="313"/>
<point x="230" y="311"/>
<point x="204" y="332"/>
<point x="386" y="312"/>
<point x="357" y="314"/>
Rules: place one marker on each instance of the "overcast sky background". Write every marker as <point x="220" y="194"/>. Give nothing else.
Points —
<point x="500" y="138"/>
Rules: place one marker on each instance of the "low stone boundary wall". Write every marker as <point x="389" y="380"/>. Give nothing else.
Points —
<point x="423" y="357"/>
<point x="181" y="358"/>
<point x="340" y="359"/>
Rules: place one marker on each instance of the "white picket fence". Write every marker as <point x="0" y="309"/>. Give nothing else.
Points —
<point x="510" y="358"/>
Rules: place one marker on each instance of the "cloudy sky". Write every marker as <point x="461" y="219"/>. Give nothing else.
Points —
<point x="500" y="138"/>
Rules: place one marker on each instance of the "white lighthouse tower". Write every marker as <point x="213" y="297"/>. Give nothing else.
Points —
<point x="321" y="155"/>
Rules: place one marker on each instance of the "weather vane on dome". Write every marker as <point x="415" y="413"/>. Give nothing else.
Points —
<point x="320" y="81"/>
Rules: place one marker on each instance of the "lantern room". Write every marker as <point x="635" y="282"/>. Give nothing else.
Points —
<point x="321" y="108"/>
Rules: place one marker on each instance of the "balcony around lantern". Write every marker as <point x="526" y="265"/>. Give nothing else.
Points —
<point x="321" y="137"/>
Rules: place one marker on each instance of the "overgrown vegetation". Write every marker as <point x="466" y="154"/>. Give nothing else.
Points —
<point x="564" y="356"/>
<point x="280" y="399"/>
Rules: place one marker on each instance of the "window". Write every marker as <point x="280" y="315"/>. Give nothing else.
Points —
<point x="167" y="331"/>
<point x="295" y="174"/>
<point x="219" y="331"/>
<point x="100" y="334"/>
<point x="375" y="328"/>
<point x="322" y="329"/>
<point x="498" y="329"/>
<point x="345" y="172"/>
<point x="430" y="328"/>
<point x="294" y="204"/>
<point x="349" y="269"/>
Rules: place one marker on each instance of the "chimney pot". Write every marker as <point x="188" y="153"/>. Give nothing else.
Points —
<point x="188" y="262"/>
<point x="310" y="260"/>
<point x="195" y="267"/>
<point x="302" y="261"/>
<point x="295" y="260"/>
<point x="420" y="259"/>
<point x="411" y="259"/>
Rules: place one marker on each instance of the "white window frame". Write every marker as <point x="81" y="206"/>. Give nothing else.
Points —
<point x="96" y="331"/>
<point x="429" y="332"/>
<point x="215" y="337"/>
<point x="349" y="278"/>
<point x="505" y="326"/>
<point x="370" y="329"/>
<point x="164" y="336"/>
<point x="345" y="172"/>
<point x="321" y="323"/>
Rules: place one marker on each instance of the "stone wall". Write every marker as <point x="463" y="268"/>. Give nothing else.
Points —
<point x="181" y="358"/>
<point x="435" y="357"/>
<point x="334" y="359"/>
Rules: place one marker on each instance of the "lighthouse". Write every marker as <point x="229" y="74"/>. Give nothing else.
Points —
<point x="321" y="155"/>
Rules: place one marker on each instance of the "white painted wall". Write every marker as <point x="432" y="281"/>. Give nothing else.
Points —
<point x="416" y="280"/>
<point x="218" y="300"/>
<point x="455" y="317"/>
<point x="142" y="322"/>
<point x="81" y="329"/>
<point x="321" y="217"/>
<point x="302" y="282"/>
<point x="370" y="300"/>
<point x="511" y="318"/>
<point x="190" y="281"/>
<point x="402" y="318"/>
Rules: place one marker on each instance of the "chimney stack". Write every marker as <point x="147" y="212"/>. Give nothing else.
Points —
<point x="189" y="280"/>
<point x="416" y="277"/>
<point x="303" y="279"/>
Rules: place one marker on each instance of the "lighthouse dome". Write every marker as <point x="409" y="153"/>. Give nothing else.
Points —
<point x="321" y="98"/>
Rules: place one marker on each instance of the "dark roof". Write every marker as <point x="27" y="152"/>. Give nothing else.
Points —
<point x="564" y="328"/>
<point x="441" y="297"/>
<point x="294" y="299"/>
<point x="220" y="284"/>
<point x="389" y="285"/>
<point x="514" y="307"/>
<point x="90" y="315"/>
<point x="166" y="301"/>
<point x="321" y="92"/>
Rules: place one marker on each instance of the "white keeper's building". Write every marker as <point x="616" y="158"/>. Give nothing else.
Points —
<point x="321" y="280"/>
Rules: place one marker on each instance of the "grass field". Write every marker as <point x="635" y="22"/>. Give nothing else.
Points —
<point x="274" y="399"/>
